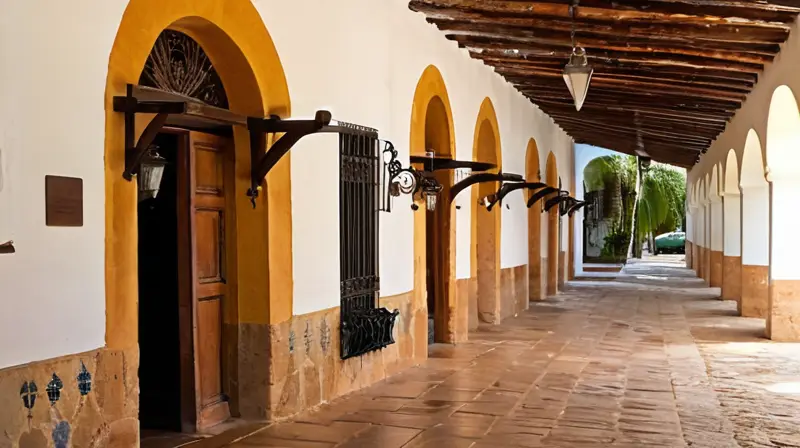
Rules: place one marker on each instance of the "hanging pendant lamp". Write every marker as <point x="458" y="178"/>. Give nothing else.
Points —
<point x="577" y="72"/>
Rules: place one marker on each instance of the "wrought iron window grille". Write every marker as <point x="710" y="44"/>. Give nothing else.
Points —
<point x="363" y="163"/>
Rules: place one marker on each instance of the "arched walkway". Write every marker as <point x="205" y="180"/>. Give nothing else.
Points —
<point x="755" y="230"/>
<point x="783" y="162"/>
<point x="732" y="204"/>
<point x="241" y="50"/>
<point x="485" y="256"/>
<point x="533" y="174"/>
<point x="434" y="232"/>
<point x="553" y="250"/>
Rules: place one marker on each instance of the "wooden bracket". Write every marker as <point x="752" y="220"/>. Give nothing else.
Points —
<point x="540" y="194"/>
<point x="507" y="188"/>
<point x="577" y="205"/>
<point x="7" y="248"/>
<point x="261" y="160"/>
<point x="557" y="200"/>
<point x="478" y="178"/>
<point x="130" y="106"/>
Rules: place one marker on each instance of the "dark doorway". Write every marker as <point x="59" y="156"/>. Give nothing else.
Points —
<point x="437" y="252"/>
<point x="159" y="338"/>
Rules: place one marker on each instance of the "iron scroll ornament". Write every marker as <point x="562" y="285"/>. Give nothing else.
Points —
<point x="407" y="180"/>
<point x="366" y="330"/>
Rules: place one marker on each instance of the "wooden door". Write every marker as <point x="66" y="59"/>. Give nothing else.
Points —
<point x="206" y="218"/>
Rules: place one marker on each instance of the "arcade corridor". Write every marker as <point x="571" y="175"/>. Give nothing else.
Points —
<point x="652" y="359"/>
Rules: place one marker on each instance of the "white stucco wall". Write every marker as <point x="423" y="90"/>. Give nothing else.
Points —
<point x="52" y="122"/>
<point x="373" y="83"/>
<point x="583" y="155"/>
<point x="753" y="115"/>
<point x="360" y="59"/>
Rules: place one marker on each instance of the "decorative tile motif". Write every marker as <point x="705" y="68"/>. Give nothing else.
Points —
<point x="307" y="334"/>
<point x="84" y="380"/>
<point x="54" y="389"/>
<point x="28" y="394"/>
<point x="324" y="336"/>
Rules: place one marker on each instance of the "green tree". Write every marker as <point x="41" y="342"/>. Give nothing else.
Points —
<point x="662" y="202"/>
<point x="659" y="209"/>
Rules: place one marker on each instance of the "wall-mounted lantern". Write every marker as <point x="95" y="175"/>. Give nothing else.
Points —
<point x="151" y="172"/>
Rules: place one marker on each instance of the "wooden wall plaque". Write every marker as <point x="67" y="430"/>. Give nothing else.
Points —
<point x="63" y="201"/>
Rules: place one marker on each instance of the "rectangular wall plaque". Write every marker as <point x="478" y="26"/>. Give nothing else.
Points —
<point x="63" y="201"/>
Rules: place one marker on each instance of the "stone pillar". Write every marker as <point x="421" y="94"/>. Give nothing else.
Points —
<point x="689" y="237"/>
<point x="715" y="255"/>
<point x="755" y="250"/>
<point x="699" y="237"/>
<point x="552" y="251"/>
<point x="732" y="255"/>
<point x="707" y="241"/>
<point x="783" y="318"/>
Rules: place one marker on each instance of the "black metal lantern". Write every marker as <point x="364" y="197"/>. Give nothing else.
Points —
<point x="150" y="174"/>
<point x="429" y="189"/>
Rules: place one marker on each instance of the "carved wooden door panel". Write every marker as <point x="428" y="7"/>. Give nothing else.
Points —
<point x="207" y="209"/>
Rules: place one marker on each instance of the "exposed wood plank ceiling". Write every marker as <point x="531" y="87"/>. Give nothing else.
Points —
<point x="668" y="74"/>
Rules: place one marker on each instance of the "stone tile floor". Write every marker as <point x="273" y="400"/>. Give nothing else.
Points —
<point x="652" y="359"/>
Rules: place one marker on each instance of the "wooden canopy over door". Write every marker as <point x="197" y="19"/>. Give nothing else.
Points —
<point x="203" y="263"/>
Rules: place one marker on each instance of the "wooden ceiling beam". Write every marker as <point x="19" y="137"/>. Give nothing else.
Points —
<point x="654" y="112"/>
<point x="640" y="85"/>
<point x="605" y="14"/>
<point x="629" y="122"/>
<point x="661" y="60"/>
<point x="648" y="94"/>
<point x="594" y="46"/>
<point x="574" y="128"/>
<point x="673" y="80"/>
<point x="497" y="58"/>
<point x="674" y="30"/>
<point x="598" y="40"/>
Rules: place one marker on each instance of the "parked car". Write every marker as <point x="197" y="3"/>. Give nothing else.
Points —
<point x="670" y="243"/>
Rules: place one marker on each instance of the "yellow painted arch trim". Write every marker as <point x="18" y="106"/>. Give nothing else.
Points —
<point x="552" y="228"/>
<point x="486" y="114"/>
<point x="430" y="86"/>
<point x="236" y="40"/>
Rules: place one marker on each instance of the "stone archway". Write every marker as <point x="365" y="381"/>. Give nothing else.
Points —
<point x="553" y="251"/>
<point x="244" y="56"/>
<point x="755" y="230"/>
<point x="732" y="256"/>
<point x="434" y="232"/>
<point x="485" y="247"/>
<point x="533" y="174"/>
<point x="783" y="173"/>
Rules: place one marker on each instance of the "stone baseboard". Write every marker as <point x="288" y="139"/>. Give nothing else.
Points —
<point x="784" y="308"/>
<point x="755" y="291"/>
<point x="732" y="279"/>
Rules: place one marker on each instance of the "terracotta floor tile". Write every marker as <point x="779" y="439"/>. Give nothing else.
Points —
<point x="630" y="363"/>
<point x="381" y="436"/>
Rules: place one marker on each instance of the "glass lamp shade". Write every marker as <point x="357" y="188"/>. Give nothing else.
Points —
<point x="150" y="174"/>
<point x="430" y="201"/>
<point x="578" y="75"/>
